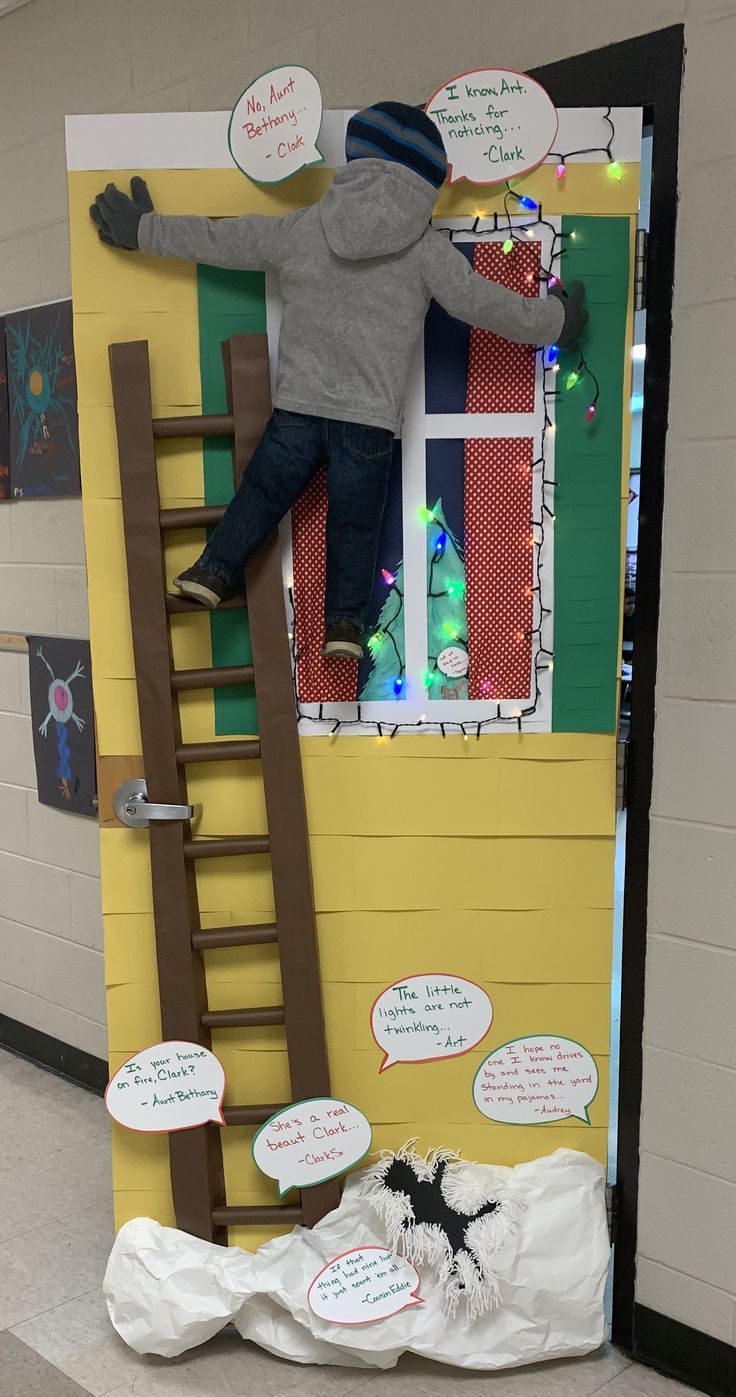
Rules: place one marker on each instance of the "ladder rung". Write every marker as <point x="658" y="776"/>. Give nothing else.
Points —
<point x="263" y="1213"/>
<point x="195" y="516"/>
<point x="177" y="605"/>
<point x="226" y="846"/>
<point x="251" y="1115"/>
<point x="212" y="425"/>
<point x="211" y="678"/>
<point x="241" y="749"/>
<point x="213" y="937"/>
<point x="243" y="1018"/>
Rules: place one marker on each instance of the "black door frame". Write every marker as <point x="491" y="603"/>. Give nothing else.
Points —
<point x="642" y="72"/>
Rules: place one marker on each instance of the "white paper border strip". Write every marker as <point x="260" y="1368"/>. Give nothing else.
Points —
<point x="198" y="140"/>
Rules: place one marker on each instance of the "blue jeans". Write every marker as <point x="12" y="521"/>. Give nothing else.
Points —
<point x="290" y="452"/>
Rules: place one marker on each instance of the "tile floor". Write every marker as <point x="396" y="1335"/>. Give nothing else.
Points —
<point x="56" y="1340"/>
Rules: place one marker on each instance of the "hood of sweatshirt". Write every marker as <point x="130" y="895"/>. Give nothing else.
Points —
<point x="375" y="207"/>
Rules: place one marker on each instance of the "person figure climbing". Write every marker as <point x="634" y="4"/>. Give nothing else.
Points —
<point x="358" y="271"/>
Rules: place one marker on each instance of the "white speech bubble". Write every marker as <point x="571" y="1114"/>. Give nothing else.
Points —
<point x="453" y="661"/>
<point x="496" y="124"/>
<point x="425" y="1018"/>
<point x="171" y="1086"/>
<point x="536" y="1079"/>
<point x="275" y="124"/>
<point x="311" y="1141"/>
<point x="362" y="1286"/>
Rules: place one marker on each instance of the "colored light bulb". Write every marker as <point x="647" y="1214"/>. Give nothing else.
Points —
<point x="426" y="515"/>
<point x="440" y="543"/>
<point x="552" y="354"/>
<point x="615" y="170"/>
<point x="561" y="170"/>
<point x="590" y="414"/>
<point x="507" y="245"/>
<point x="398" y="684"/>
<point x="526" y="202"/>
<point x="388" y="577"/>
<point x="572" y="378"/>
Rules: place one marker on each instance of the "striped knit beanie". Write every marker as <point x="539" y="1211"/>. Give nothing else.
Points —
<point x="397" y="132"/>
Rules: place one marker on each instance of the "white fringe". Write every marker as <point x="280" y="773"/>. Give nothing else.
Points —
<point x="465" y="1187"/>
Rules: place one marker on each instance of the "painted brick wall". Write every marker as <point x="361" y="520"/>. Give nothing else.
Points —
<point x="137" y="55"/>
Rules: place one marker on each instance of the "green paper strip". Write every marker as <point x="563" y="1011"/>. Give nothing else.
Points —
<point x="230" y="303"/>
<point x="588" y="495"/>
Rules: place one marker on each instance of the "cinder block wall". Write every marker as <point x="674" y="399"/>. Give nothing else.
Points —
<point x="152" y="55"/>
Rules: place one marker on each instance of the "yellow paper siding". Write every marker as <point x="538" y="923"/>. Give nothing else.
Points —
<point x="491" y="859"/>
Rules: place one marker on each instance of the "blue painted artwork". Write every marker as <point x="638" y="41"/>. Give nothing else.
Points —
<point x="42" y="399"/>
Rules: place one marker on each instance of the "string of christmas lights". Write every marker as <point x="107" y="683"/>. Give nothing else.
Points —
<point x="614" y="166"/>
<point x="543" y="661"/>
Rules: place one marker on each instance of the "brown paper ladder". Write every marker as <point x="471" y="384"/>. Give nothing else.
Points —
<point x="197" y="1176"/>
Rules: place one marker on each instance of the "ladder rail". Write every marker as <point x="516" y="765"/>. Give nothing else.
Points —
<point x="197" y="1176"/>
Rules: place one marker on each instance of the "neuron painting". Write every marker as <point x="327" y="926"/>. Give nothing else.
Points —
<point x="42" y="393"/>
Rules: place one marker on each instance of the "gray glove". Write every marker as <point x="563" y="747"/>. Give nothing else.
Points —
<point x="117" y="217"/>
<point x="576" y="316"/>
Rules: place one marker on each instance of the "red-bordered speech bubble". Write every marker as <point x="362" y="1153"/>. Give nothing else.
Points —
<point x="425" y="1018"/>
<point x="362" y="1286"/>
<point x="170" y="1086"/>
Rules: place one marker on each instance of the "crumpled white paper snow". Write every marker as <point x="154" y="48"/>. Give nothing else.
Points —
<point x="167" y="1291"/>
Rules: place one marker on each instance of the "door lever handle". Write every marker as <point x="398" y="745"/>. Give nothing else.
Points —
<point x="133" y="808"/>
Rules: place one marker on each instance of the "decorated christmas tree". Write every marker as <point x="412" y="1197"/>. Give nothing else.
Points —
<point x="386" y="645"/>
<point x="447" y="636"/>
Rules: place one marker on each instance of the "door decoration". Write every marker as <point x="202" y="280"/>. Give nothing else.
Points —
<point x="498" y="848"/>
<point x="63" y="727"/>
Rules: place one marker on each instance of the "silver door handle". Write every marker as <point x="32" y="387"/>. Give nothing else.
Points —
<point x="133" y="808"/>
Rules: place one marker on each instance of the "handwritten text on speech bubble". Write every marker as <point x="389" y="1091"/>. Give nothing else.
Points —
<point x="364" y="1285"/>
<point x="429" y="1017"/>
<point x="311" y="1141"/>
<point x="275" y="124"/>
<point x="495" y="124"/>
<point x="171" y="1086"/>
<point x="536" y="1079"/>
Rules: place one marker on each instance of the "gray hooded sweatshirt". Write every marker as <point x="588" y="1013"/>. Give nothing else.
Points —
<point x="358" y="271"/>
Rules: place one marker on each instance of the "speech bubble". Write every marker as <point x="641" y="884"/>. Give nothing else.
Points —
<point x="362" y="1286"/>
<point x="275" y="124"/>
<point x="425" y="1018"/>
<point x="311" y="1141"/>
<point x="536" y="1079"/>
<point x="496" y="124"/>
<point x="453" y="661"/>
<point x="172" y="1086"/>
